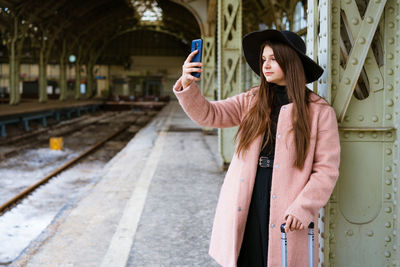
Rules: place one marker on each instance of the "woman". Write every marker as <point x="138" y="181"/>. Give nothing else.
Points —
<point x="286" y="160"/>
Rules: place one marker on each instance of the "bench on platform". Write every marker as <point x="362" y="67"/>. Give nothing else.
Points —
<point x="4" y="122"/>
<point x="39" y="116"/>
<point x="42" y="116"/>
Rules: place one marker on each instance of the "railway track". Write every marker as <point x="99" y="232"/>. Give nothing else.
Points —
<point x="37" y="184"/>
<point x="20" y="196"/>
<point x="31" y="139"/>
<point x="9" y="204"/>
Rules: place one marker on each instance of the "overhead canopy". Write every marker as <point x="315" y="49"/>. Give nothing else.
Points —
<point x="115" y="29"/>
<point x="118" y="28"/>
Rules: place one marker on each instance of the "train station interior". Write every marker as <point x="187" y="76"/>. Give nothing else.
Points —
<point x="101" y="166"/>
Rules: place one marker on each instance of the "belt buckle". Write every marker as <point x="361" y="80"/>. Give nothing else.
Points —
<point x="265" y="162"/>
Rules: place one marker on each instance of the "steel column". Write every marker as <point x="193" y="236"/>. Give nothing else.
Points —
<point x="208" y="75"/>
<point x="362" y="212"/>
<point x="229" y="64"/>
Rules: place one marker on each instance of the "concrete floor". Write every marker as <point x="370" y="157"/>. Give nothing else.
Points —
<point x="154" y="205"/>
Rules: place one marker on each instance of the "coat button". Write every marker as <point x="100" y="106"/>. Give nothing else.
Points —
<point x="284" y="107"/>
<point x="246" y="150"/>
<point x="279" y="136"/>
<point x="276" y="166"/>
<point x="273" y="196"/>
<point x="240" y="209"/>
<point x="242" y="179"/>
<point x="272" y="225"/>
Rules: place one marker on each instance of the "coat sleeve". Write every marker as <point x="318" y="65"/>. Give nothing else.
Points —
<point x="325" y="170"/>
<point x="215" y="114"/>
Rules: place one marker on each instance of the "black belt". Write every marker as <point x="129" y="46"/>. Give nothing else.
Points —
<point x="265" y="162"/>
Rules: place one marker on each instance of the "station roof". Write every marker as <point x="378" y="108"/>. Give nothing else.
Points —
<point x="112" y="30"/>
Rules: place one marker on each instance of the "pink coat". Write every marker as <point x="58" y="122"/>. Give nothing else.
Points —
<point x="300" y="193"/>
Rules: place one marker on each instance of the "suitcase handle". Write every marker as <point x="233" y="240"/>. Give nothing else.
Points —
<point x="310" y="245"/>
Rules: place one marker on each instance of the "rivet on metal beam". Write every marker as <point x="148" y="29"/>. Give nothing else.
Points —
<point x="370" y="233"/>
<point x="391" y="71"/>
<point x="331" y="238"/>
<point x="355" y="21"/>
<point x="362" y="40"/>
<point x="387" y="254"/>
<point x="374" y="118"/>
<point x="388" y="210"/>
<point x="349" y="232"/>
<point x="391" y="40"/>
<point x="391" y="10"/>
<point x="390" y="56"/>
<point x="334" y="25"/>
<point x="334" y="72"/>
<point x="388" y="225"/>
<point x="368" y="60"/>
<point x="346" y="135"/>
<point x="388" y="168"/>
<point x="348" y="1"/>
<point x="347" y="81"/>
<point x="335" y="10"/>
<point x="388" y="116"/>
<point x="346" y="118"/>
<point x="354" y="61"/>
<point x="388" y="196"/>
<point x="390" y="87"/>
<point x="389" y="134"/>
<point x="334" y="41"/>
<point x="388" y="238"/>
<point x="370" y="19"/>
<point x="388" y="181"/>
<point x="361" y="135"/>
<point x="374" y="135"/>
<point x="388" y="151"/>
<point x="361" y="118"/>
<point x="391" y="25"/>
<point x="376" y="80"/>
<point x="389" y="102"/>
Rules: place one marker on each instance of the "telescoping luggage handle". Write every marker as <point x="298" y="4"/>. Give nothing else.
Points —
<point x="310" y="245"/>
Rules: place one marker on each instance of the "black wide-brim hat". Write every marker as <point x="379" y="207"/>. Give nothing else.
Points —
<point x="252" y="44"/>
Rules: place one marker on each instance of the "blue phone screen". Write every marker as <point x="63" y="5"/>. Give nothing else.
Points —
<point x="197" y="45"/>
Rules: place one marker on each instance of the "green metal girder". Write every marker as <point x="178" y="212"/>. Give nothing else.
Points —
<point x="229" y="64"/>
<point x="357" y="56"/>
<point x="361" y="216"/>
<point x="208" y="75"/>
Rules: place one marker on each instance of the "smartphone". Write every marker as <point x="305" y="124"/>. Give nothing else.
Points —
<point x="197" y="45"/>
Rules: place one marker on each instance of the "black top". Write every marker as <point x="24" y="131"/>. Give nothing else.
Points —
<point x="280" y="98"/>
<point x="254" y="250"/>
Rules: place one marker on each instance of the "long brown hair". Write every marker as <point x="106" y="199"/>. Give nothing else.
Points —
<point x="257" y="120"/>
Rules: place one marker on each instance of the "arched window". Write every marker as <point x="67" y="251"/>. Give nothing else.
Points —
<point x="300" y="18"/>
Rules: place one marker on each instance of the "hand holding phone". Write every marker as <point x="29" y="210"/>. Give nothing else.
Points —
<point x="197" y="45"/>
<point x="191" y="68"/>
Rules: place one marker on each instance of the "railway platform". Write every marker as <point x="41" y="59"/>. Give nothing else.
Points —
<point x="153" y="206"/>
<point x="30" y="109"/>
<point x="33" y="106"/>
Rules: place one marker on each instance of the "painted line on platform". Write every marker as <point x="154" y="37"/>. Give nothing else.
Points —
<point x="119" y="249"/>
